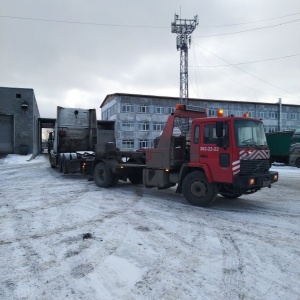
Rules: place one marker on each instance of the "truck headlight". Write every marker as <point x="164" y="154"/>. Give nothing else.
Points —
<point x="251" y="181"/>
<point x="275" y="177"/>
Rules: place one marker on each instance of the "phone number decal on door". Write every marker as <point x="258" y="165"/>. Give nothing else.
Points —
<point x="209" y="148"/>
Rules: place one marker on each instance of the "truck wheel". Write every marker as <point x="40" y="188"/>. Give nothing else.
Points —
<point x="103" y="176"/>
<point x="115" y="180"/>
<point x="197" y="190"/>
<point x="136" y="178"/>
<point x="298" y="163"/>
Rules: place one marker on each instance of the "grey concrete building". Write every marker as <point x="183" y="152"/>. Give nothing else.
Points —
<point x="19" y="114"/>
<point x="141" y="118"/>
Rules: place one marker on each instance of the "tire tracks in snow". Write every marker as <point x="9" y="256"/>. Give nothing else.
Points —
<point x="177" y="245"/>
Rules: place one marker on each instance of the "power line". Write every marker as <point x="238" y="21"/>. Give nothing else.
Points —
<point x="245" y="63"/>
<point x="247" y="30"/>
<point x="143" y="26"/>
<point x="246" y="71"/>
<point x="240" y="83"/>
<point x="84" y="23"/>
<point x="245" y="23"/>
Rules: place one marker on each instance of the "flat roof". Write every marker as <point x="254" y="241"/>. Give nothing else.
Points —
<point x="110" y="96"/>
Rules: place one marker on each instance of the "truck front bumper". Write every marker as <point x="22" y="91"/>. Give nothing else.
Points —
<point x="255" y="181"/>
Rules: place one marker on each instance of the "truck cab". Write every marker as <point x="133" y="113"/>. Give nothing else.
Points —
<point x="226" y="155"/>
<point x="234" y="152"/>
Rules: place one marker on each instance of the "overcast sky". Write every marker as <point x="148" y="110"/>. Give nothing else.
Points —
<point x="128" y="47"/>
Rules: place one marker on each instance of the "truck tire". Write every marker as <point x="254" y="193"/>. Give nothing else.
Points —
<point x="297" y="163"/>
<point x="136" y="178"/>
<point x="103" y="176"/>
<point x="197" y="190"/>
<point x="66" y="158"/>
<point x="115" y="180"/>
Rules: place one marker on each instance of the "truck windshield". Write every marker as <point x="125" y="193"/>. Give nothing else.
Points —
<point x="249" y="133"/>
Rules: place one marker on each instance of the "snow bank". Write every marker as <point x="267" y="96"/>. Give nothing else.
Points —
<point x="17" y="159"/>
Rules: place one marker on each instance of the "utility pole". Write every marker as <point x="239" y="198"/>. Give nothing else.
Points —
<point x="183" y="28"/>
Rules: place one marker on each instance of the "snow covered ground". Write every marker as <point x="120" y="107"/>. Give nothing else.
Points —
<point x="62" y="237"/>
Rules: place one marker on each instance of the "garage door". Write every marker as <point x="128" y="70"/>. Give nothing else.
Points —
<point x="6" y="134"/>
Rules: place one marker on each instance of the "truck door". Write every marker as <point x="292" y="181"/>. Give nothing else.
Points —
<point x="218" y="158"/>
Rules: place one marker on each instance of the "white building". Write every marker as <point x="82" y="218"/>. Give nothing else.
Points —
<point x="141" y="118"/>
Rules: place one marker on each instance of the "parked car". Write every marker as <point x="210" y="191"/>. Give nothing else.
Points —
<point x="295" y="155"/>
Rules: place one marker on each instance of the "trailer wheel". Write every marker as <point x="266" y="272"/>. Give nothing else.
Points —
<point x="66" y="158"/>
<point x="60" y="162"/>
<point x="50" y="161"/>
<point x="197" y="190"/>
<point x="103" y="176"/>
<point x="298" y="163"/>
<point x="73" y="155"/>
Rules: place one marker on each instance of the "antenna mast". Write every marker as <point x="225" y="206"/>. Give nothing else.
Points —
<point x="183" y="28"/>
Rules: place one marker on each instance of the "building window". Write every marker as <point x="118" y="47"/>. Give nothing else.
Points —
<point x="144" y="126"/>
<point x="170" y="110"/>
<point x="144" y="109"/>
<point x="104" y="115"/>
<point x="158" y="126"/>
<point x="128" y="126"/>
<point x="293" y="116"/>
<point x="129" y="108"/>
<point x="128" y="144"/>
<point x="144" y="143"/>
<point x="272" y="129"/>
<point x="261" y="114"/>
<point x="159" y="109"/>
<point x="251" y="114"/>
<point x="283" y="116"/>
<point x="212" y="112"/>
<point x="273" y="114"/>
<point x="111" y="111"/>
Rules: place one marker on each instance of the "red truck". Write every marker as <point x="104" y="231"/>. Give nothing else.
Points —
<point x="225" y="155"/>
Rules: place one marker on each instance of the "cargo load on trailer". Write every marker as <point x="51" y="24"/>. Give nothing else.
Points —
<point x="73" y="140"/>
<point x="225" y="155"/>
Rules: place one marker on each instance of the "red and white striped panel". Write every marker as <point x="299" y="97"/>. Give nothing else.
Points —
<point x="254" y="154"/>
<point x="236" y="167"/>
<point x="249" y="155"/>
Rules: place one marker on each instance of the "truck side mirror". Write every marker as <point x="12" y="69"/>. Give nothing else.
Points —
<point x="219" y="129"/>
<point x="50" y="136"/>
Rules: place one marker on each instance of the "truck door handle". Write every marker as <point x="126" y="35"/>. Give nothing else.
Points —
<point x="203" y="155"/>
